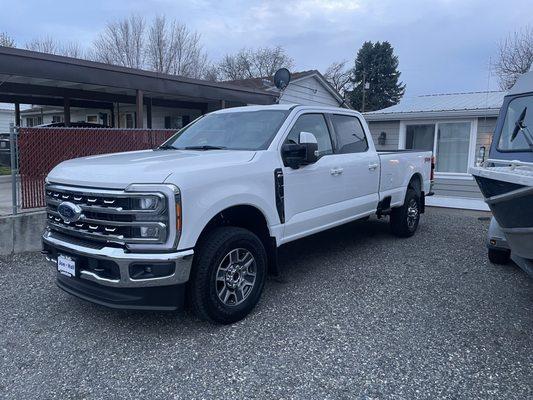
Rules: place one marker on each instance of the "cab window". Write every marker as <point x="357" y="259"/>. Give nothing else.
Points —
<point x="350" y="134"/>
<point x="315" y="124"/>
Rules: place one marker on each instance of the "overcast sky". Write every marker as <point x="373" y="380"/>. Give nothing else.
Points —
<point x="444" y="46"/>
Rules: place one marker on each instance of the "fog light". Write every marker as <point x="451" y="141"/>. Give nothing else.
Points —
<point x="147" y="271"/>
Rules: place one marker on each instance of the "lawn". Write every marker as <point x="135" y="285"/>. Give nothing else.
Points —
<point x="5" y="170"/>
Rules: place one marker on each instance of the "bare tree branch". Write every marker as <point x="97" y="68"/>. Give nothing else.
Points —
<point x="248" y="63"/>
<point x="515" y="56"/>
<point x="72" y="49"/>
<point x="338" y="75"/>
<point x="174" y="49"/>
<point x="44" y="45"/>
<point x="6" y="40"/>
<point x="122" y="43"/>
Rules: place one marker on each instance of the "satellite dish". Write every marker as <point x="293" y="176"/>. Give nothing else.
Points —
<point x="282" y="77"/>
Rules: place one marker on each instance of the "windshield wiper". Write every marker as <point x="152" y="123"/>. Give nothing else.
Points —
<point x="520" y="127"/>
<point x="165" y="147"/>
<point x="204" y="147"/>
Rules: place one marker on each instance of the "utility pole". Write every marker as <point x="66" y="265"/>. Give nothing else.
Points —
<point x="364" y="89"/>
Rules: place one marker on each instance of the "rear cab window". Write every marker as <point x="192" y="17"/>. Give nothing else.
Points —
<point x="349" y="133"/>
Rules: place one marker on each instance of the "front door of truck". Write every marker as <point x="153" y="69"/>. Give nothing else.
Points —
<point x="312" y="192"/>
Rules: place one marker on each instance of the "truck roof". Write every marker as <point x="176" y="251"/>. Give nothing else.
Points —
<point x="286" y="107"/>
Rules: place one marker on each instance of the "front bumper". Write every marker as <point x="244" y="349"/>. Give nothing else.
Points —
<point x="103" y="274"/>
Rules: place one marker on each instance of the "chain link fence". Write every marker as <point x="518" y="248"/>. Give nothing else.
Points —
<point x="41" y="149"/>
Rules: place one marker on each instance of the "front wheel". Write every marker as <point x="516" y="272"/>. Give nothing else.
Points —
<point x="404" y="220"/>
<point x="228" y="275"/>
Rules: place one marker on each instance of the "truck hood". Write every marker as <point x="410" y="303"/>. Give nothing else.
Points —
<point x="117" y="171"/>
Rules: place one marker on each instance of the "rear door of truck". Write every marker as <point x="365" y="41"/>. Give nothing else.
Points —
<point x="357" y="164"/>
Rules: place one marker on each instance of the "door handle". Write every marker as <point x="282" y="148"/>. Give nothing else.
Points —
<point x="372" y="167"/>
<point x="336" y="171"/>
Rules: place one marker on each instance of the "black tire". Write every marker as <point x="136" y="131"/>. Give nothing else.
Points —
<point x="401" y="218"/>
<point x="500" y="257"/>
<point x="210" y="255"/>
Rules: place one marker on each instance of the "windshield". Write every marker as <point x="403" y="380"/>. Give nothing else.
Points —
<point x="239" y="130"/>
<point x="517" y="131"/>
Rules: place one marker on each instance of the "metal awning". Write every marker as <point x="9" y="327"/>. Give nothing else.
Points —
<point x="29" y="73"/>
<point x="28" y="77"/>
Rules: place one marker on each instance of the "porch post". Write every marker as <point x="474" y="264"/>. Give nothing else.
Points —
<point x="112" y="117"/>
<point x="149" y="113"/>
<point x="17" y="114"/>
<point x="140" y="109"/>
<point x="66" y="111"/>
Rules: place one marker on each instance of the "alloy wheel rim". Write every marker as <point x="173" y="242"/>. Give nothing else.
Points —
<point x="412" y="213"/>
<point x="235" y="277"/>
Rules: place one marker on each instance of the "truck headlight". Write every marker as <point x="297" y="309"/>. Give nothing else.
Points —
<point x="148" y="203"/>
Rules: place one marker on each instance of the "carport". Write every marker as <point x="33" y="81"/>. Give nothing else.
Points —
<point x="28" y="77"/>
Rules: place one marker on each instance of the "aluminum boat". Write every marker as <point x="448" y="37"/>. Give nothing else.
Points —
<point x="506" y="178"/>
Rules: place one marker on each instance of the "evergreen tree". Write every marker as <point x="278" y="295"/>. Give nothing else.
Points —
<point x="376" y="67"/>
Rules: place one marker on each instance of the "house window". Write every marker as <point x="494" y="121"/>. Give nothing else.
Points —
<point x="420" y="137"/>
<point x="174" y="122"/>
<point x="127" y="121"/>
<point x="34" y="121"/>
<point x="93" y="119"/>
<point x="57" y="118"/>
<point x="452" y="143"/>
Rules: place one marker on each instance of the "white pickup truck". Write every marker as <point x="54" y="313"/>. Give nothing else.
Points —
<point x="201" y="217"/>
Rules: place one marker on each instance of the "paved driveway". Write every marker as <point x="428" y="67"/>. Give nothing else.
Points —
<point x="357" y="314"/>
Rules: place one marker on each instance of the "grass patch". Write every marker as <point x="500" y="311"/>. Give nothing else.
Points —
<point x="5" y="170"/>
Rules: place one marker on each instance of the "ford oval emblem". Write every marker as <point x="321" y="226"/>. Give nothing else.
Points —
<point x="70" y="212"/>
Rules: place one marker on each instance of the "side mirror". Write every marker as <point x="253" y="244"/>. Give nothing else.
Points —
<point x="308" y="140"/>
<point x="303" y="153"/>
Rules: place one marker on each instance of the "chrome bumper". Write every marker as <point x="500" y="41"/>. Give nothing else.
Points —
<point x="181" y="259"/>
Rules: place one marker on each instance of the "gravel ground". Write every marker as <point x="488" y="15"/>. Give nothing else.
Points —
<point x="357" y="313"/>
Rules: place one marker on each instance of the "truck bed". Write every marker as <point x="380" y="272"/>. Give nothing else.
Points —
<point x="397" y="168"/>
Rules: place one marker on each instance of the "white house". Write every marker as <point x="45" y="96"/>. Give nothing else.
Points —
<point x="306" y="87"/>
<point x="457" y="127"/>
<point x="7" y="117"/>
<point x="162" y="117"/>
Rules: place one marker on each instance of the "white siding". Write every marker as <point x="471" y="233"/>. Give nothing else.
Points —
<point x="391" y="129"/>
<point x="308" y="91"/>
<point x="6" y="117"/>
<point x="454" y="187"/>
<point x="485" y="132"/>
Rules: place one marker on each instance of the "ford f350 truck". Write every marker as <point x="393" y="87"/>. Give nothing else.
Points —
<point x="200" y="218"/>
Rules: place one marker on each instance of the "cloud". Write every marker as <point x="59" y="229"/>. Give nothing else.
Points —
<point x="443" y="45"/>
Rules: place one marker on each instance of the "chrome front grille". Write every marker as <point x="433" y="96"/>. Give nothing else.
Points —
<point x="128" y="217"/>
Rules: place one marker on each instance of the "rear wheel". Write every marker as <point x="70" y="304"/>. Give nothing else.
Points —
<point x="404" y="220"/>
<point x="500" y="257"/>
<point x="228" y="275"/>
